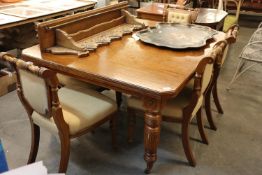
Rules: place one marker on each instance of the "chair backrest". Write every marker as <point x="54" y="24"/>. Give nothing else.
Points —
<point x="179" y="14"/>
<point x="237" y="4"/>
<point x="202" y="80"/>
<point x="36" y="86"/>
<point x="230" y="38"/>
<point x="178" y="2"/>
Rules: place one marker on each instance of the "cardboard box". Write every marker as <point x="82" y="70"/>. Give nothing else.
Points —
<point x="7" y="83"/>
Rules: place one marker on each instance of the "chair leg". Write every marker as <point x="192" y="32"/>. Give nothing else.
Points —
<point x="34" y="143"/>
<point x="208" y="110"/>
<point x="65" y="152"/>
<point x="131" y="124"/>
<point x="186" y="144"/>
<point x="216" y="99"/>
<point x="118" y="99"/>
<point x="201" y="127"/>
<point x="113" y="131"/>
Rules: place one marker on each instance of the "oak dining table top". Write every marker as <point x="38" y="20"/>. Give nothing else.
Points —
<point x="129" y="66"/>
<point x="206" y="16"/>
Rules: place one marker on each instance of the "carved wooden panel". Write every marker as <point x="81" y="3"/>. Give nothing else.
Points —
<point x="81" y="33"/>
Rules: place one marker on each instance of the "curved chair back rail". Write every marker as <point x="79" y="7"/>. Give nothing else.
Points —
<point x="231" y="19"/>
<point x="237" y="4"/>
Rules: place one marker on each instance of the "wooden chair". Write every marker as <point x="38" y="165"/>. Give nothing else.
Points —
<point x="224" y="45"/>
<point x="179" y="14"/>
<point x="67" y="112"/>
<point x="184" y="107"/>
<point x="231" y="19"/>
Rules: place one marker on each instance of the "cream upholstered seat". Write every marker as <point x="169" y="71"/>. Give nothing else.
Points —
<point x="93" y="108"/>
<point x="68" y="112"/>
<point x="184" y="107"/>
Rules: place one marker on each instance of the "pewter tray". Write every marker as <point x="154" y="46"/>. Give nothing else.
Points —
<point x="177" y="36"/>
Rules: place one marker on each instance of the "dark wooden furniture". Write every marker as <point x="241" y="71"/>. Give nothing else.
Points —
<point x="55" y="109"/>
<point x="206" y="16"/>
<point x="128" y="66"/>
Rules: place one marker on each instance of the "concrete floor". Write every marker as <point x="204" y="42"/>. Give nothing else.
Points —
<point x="235" y="148"/>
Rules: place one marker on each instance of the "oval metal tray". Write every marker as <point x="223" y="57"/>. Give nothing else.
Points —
<point x="177" y="36"/>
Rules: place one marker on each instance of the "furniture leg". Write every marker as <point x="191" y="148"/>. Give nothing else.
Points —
<point x="113" y="131"/>
<point x="185" y="141"/>
<point x="208" y="109"/>
<point x="65" y="152"/>
<point x="216" y="99"/>
<point x="131" y="124"/>
<point x="34" y="143"/>
<point x="151" y="133"/>
<point x="118" y="98"/>
<point x="201" y="127"/>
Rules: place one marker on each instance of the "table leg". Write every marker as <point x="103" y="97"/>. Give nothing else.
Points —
<point x="151" y="133"/>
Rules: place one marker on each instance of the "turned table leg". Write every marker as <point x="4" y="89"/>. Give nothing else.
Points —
<point x="151" y="134"/>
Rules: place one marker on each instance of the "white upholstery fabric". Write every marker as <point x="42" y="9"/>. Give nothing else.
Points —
<point x="72" y="82"/>
<point x="35" y="92"/>
<point x="174" y="107"/>
<point x="178" y="17"/>
<point x="81" y="109"/>
<point x="206" y="77"/>
<point x="110" y="93"/>
<point x="45" y="123"/>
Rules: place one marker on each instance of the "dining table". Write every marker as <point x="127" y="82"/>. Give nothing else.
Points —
<point x="213" y="18"/>
<point x="156" y="74"/>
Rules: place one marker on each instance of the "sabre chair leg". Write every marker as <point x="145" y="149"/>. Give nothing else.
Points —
<point x="208" y="110"/>
<point x="65" y="153"/>
<point x="216" y="99"/>
<point x="186" y="145"/>
<point x="34" y="143"/>
<point x="201" y="127"/>
<point x="131" y="124"/>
